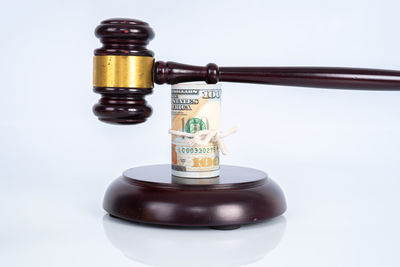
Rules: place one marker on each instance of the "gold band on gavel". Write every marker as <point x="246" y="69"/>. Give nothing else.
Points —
<point x="123" y="71"/>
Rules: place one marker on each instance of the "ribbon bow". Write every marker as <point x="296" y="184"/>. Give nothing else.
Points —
<point x="204" y="137"/>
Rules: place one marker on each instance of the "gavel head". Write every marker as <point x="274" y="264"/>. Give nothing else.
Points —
<point x="123" y="71"/>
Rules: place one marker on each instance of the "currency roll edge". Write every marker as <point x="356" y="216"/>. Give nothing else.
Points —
<point x="194" y="108"/>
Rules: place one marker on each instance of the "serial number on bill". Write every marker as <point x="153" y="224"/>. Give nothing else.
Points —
<point x="196" y="150"/>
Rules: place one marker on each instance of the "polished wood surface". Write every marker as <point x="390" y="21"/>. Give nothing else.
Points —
<point x="127" y="37"/>
<point x="319" y="77"/>
<point x="130" y="37"/>
<point x="123" y="37"/>
<point x="149" y="195"/>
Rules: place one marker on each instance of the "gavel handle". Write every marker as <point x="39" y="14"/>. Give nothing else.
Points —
<point x="321" y="77"/>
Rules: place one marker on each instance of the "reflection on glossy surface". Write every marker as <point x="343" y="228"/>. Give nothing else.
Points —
<point x="168" y="246"/>
<point x="182" y="180"/>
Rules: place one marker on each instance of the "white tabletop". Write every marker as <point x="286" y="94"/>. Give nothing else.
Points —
<point x="336" y="217"/>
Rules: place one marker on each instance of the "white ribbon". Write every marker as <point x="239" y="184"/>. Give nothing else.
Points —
<point x="204" y="137"/>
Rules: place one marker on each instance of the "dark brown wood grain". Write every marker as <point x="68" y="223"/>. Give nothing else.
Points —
<point x="319" y="77"/>
<point x="127" y="37"/>
<point x="123" y="37"/>
<point x="148" y="195"/>
<point x="128" y="105"/>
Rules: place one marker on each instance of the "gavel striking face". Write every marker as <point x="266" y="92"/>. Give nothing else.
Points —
<point x="125" y="71"/>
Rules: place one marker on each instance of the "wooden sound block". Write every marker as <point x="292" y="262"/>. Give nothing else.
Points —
<point x="150" y="194"/>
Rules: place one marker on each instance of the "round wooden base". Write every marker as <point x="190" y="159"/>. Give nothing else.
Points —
<point x="150" y="194"/>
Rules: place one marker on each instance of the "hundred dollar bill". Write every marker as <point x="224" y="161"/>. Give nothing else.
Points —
<point x="195" y="107"/>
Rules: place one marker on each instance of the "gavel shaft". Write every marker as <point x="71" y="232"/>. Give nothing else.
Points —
<point x="320" y="77"/>
<point x="337" y="78"/>
<point x="125" y="72"/>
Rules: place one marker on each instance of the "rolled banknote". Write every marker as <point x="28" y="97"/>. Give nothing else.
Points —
<point x="195" y="107"/>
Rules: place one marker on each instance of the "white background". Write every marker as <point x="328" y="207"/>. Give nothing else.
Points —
<point x="335" y="153"/>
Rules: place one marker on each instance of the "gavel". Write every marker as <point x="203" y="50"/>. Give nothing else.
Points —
<point x="125" y="72"/>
